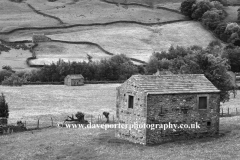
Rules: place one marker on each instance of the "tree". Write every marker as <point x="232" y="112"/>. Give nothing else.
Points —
<point x="223" y="2"/>
<point x="212" y="18"/>
<point x="232" y="28"/>
<point x="233" y="56"/>
<point x="220" y="31"/>
<point x="13" y="80"/>
<point x="3" y="74"/>
<point x="238" y="14"/>
<point x="196" y="60"/>
<point x="200" y="8"/>
<point x="216" y="4"/>
<point x="4" y="112"/>
<point x="186" y="7"/>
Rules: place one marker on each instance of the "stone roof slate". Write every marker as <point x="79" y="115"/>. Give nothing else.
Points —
<point x="74" y="76"/>
<point x="174" y="83"/>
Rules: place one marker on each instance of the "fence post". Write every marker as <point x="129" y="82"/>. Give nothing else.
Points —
<point x="222" y="111"/>
<point x="228" y="111"/>
<point x="91" y="119"/>
<point x="52" y="121"/>
<point x="236" y="111"/>
<point x="38" y="124"/>
<point x="26" y="124"/>
<point x="113" y="119"/>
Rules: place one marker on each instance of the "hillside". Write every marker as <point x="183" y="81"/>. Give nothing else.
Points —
<point x="135" y="29"/>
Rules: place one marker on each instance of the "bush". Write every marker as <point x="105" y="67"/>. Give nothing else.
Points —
<point x="80" y="116"/>
<point x="3" y="74"/>
<point x="13" y="80"/>
<point x="4" y="112"/>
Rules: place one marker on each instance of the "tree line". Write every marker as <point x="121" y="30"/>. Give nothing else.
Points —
<point x="211" y="13"/>
<point x="213" y="61"/>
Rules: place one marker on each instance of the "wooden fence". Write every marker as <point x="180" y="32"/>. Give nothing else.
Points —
<point x="228" y="112"/>
<point x="41" y="124"/>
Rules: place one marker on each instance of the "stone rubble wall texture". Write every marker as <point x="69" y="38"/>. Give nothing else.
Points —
<point x="73" y="81"/>
<point x="127" y="115"/>
<point x="40" y="38"/>
<point x="181" y="109"/>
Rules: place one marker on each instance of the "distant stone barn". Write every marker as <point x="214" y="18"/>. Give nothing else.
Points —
<point x="40" y="38"/>
<point x="74" y="80"/>
<point x="187" y="99"/>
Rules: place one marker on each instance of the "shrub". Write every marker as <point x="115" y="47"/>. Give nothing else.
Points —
<point x="4" y="112"/>
<point x="80" y="116"/>
<point x="4" y="73"/>
<point x="13" y="80"/>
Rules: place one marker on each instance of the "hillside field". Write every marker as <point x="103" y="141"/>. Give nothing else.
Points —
<point x="135" y="41"/>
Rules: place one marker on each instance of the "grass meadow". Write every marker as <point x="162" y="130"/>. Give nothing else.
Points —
<point x="15" y="15"/>
<point x="32" y="102"/>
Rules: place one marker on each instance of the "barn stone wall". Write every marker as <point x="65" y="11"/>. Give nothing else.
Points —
<point x="127" y="115"/>
<point x="73" y="82"/>
<point x="40" y="38"/>
<point x="181" y="109"/>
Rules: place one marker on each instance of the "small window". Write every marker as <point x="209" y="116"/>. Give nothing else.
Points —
<point x="130" y="101"/>
<point x="208" y="124"/>
<point x="202" y="103"/>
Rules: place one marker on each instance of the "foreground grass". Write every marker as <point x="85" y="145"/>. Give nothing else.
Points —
<point x="75" y="144"/>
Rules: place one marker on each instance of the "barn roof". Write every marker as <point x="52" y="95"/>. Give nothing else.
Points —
<point x="74" y="76"/>
<point x="175" y="83"/>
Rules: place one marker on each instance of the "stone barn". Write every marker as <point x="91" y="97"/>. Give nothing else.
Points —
<point x="40" y="38"/>
<point x="74" y="80"/>
<point x="186" y="100"/>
